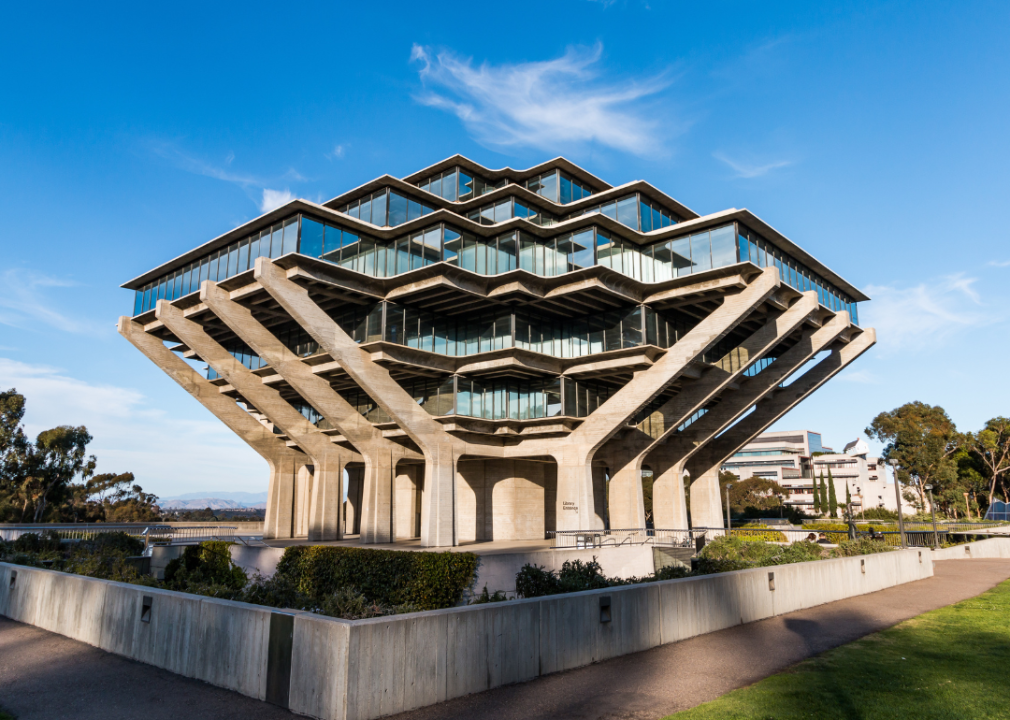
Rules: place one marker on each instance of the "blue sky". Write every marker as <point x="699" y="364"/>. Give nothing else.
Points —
<point x="873" y="134"/>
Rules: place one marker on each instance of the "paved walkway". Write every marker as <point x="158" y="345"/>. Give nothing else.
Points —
<point x="48" y="677"/>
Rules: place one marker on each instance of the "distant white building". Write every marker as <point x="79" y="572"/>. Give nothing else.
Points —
<point x="795" y="458"/>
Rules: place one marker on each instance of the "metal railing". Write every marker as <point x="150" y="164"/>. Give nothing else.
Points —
<point x="587" y="539"/>
<point x="150" y="534"/>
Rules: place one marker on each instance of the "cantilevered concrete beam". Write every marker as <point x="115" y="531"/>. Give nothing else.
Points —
<point x="284" y="462"/>
<point x="775" y="405"/>
<point x="627" y="508"/>
<point x="706" y="504"/>
<point x="574" y="457"/>
<point x="328" y="460"/>
<point x="379" y="453"/>
<point x="440" y="449"/>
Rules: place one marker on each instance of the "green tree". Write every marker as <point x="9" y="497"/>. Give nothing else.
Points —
<point x="822" y="496"/>
<point x="922" y="439"/>
<point x="755" y="495"/>
<point x="832" y="498"/>
<point x="817" y="496"/>
<point x="991" y="446"/>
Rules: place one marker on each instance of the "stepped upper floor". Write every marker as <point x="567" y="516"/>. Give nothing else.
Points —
<point x="549" y="220"/>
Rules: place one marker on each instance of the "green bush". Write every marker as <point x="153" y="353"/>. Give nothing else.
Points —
<point x="576" y="576"/>
<point x="535" y="581"/>
<point x="728" y="553"/>
<point x="486" y="597"/>
<point x="206" y="569"/>
<point x="860" y="546"/>
<point x="879" y="513"/>
<point x="425" y="580"/>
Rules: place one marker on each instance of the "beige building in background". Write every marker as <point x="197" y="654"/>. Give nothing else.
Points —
<point x="795" y="458"/>
<point x="467" y="354"/>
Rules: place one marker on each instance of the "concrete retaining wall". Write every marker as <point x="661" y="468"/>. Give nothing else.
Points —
<point x="357" y="670"/>
<point x="991" y="548"/>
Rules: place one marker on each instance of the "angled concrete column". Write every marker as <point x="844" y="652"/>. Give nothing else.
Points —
<point x="706" y="463"/>
<point x="327" y="459"/>
<point x="625" y="486"/>
<point x="669" y="501"/>
<point x="438" y="447"/>
<point x="284" y="462"/>
<point x="365" y="437"/>
<point x="679" y="447"/>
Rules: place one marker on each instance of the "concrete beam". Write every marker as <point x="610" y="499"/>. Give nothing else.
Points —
<point x="574" y="457"/>
<point x="377" y="451"/>
<point x="626" y="478"/>
<point x="328" y="460"/>
<point x="668" y="501"/>
<point x="706" y="501"/>
<point x="440" y="449"/>
<point x="283" y="461"/>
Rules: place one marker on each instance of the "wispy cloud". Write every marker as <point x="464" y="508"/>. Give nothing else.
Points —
<point x="925" y="315"/>
<point x="26" y="300"/>
<point x="337" y="153"/>
<point x="750" y="170"/>
<point x="256" y="187"/>
<point x="999" y="263"/>
<point x="129" y="432"/>
<point x="544" y="104"/>
<point x="273" y="199"/>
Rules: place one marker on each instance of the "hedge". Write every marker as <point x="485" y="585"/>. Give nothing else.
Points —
<point x="427" y="580"/>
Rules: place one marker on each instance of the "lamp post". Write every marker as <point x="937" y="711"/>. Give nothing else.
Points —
<point x="729" y="525"/>
<point x="932" y="510"/>
<point x="897" y="495"/>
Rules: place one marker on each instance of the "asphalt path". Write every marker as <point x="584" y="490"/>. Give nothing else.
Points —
<point x="44" y="676"/>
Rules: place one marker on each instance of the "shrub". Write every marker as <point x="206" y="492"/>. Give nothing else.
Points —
<point x="116" y="542"/>
<point x="860" y="546"/>
<point x="879" y="514"/>
<point x="728" y="553"/>
<point x="206" y="569"/>
<point x="485" y="597"/>
<point x="534" y="581"/>
<point x="425" y="580"/>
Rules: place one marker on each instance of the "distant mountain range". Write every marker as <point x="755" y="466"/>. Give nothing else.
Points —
<point x="215" y="501"/>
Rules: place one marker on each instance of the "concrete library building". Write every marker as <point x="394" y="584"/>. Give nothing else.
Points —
<point x="468" y="354"/>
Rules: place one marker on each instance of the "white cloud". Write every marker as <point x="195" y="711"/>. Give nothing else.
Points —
<point x="273" y="199"/>
<point x="338" y="151"/>
<point x="25" y="302"/>
<point x="863" y="377"/>
<point x="925" y="315"/>
<point x="999" y="263"/>
<point x="168" y="455"/>
<point x="544" y="104"/>
<point x="254" y="186"/>
<point x="750" y="170"/>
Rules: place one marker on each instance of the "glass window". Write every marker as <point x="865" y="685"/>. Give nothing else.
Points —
<point x="366" y="210"/>
<point x="436" y="186"/>
<point x="465" y="186"/>
<point x="451" y="246"/>
<point x="312" y="238"/>
<point x="680" y="251"/>
<point x="605" y="249"/>
<point x="449" y="185"/>
<point x="627" y="211"/>
<point x="432" y="245"/>
<point x="413" y="210"/>
<point x="506" y="253"/>
<point x="646" y="212"/>
<point x="397" y="209"/>
<point x="610" y="210"/>
<point x="701" y="252"/>
<point x="581" y="250"/>
<point x="723" y="247"/>
<point x="566" y="190"/>
<point x="549" y="186"/>
<point x="526" y="252"/>
<point x="291" y="236"/>
<point x="631" y="327"/>
<point x="503" y="210"/>
<point x="379" y="208"/>
<point x="468" y="255"/>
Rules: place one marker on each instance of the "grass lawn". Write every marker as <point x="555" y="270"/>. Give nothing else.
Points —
<point x="950" y="663"/>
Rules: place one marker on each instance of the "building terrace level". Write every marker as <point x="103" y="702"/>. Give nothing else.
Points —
<point x="468" y="354"/>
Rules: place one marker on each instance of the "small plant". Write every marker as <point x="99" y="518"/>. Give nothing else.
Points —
<point x="484" y="597"/>
<point x="206" y="569"/>
<point x="860" y="546"/>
